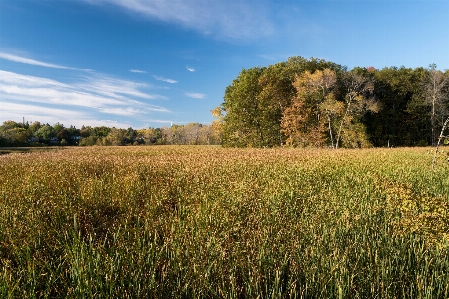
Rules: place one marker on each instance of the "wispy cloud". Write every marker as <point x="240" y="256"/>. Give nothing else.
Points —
<point x="137" y="71"/>
<point x="15" y="111"/>
<point x="190" y="69"/>
<point x="237" y="19"/>
<point x="90" y="95"/>
<point x="116" y="88"/>
<point x="129" y="111"/>
<point x="195" y="95"/>
<point x="159" y="78"/>
<point x="30" y="61"/>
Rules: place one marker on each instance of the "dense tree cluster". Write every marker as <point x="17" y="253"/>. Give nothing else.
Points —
<point x="25" y="134"/>
<point x="316" y="103"/>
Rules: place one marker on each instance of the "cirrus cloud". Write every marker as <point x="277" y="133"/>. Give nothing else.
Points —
<point x="20" y="59"/>
<point x="89" y="96"/>
<point x="159" y="78"/>
<point x="138" y="71"/>
<point x="235" y="19"/>
<point x="195" y="95"/>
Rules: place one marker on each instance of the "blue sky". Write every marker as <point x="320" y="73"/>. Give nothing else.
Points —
<point x="153" y="63"/>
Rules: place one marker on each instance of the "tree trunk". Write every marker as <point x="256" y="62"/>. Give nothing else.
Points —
<point x="342" y="121"/>
<point x="439" y="140"/>
<point x="330" y="130"/>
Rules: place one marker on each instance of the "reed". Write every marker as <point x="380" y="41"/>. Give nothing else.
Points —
<point x="208" y="222"/>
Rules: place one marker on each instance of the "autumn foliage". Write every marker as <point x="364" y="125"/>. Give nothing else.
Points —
<point x="316" y="103"/>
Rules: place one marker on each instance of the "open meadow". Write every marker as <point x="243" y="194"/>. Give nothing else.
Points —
<point x="210" y="222"/>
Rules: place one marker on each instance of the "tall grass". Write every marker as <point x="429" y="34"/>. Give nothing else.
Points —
<point x="207" y="222"/>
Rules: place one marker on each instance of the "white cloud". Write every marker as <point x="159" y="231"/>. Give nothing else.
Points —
<point x="15" y="111"/>
<point x="41" y="97"/>
<point x="129" y="111"/>
<point x="159" y="78"/>
<point x="42" y="90"/>
<point x="190" y="69"/>
<point x="28" y="81"/>
<point x="195" y="95"/>
<point x="106" y="123"/>
<point x="33" y="112"/>
<point x="120" y="111"/>
<point x="116" y="88"/>
<point x="156" y="108"/>
<point x="20" y="59"/>
<point x="241" y="19"/>
<point x="138" y="71"/>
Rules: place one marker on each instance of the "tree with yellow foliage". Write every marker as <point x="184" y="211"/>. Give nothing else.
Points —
<point x="310" y="119"/>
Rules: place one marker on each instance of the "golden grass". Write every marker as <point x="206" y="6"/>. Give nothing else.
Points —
<point x="188" y="221"/>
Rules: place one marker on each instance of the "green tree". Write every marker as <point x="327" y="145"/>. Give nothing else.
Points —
<point x="15" y="136"/>
<point x="404" y="118"/>
<point x="244" y="113"/>
<point x="73" y="131"/>
<point x="10" y="124"/>
<point x="255" y="101"/>
<point x="13" y="133"/>
<point x="89" y="141"/>
<point x="45" y="133"/>
<point x="34" y="127"/>
<point x="64" y="134"/>
<point x="130" y="135"/>
<point x="276" y="93"/>
<point x="57" y="127"/>
<point x="100" y="132"/>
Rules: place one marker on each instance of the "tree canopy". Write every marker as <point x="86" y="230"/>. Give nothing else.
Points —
<point x="316" y="103"/>
<point x="35" y="134"/>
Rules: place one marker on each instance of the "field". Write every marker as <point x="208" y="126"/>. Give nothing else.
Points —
<point x="208" y="222"/>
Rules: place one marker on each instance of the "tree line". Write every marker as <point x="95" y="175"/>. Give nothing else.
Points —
<point x="35" y="134"/>
<point x="317" y="103"/>
<point x="300" y="102"/>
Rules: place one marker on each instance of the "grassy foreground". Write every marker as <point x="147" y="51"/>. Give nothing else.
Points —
<point x="207" y="222"/>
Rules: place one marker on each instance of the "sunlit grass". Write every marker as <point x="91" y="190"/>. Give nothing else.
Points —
<point x="164" y="222"/>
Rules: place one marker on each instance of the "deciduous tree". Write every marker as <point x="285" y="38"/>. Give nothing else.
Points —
<point x="309" y="121"/>
<point x="45" y="132"/>
<point x="244" y="112"/>
<point x="436" y="95"/>
<point x="358" y="99"/>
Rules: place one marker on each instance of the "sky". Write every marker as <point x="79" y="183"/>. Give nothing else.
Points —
<point x="155" y="63"/>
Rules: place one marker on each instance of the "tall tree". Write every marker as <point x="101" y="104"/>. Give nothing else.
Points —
<point x="147" y="136"/>
<point x="313" y="109"/>
<point x="45" y="133"/>
<point x="403" y="119"/>
<point x="116" y="137"/>
<point x="57" y="127"/>
<point x="436" y="96"/>
<point x="255" y="101"/>
<point x="244" y="112"/>
<point x="358" y="100"/>
<point x="15" y="136"/>
<point x="217" y="125"/>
